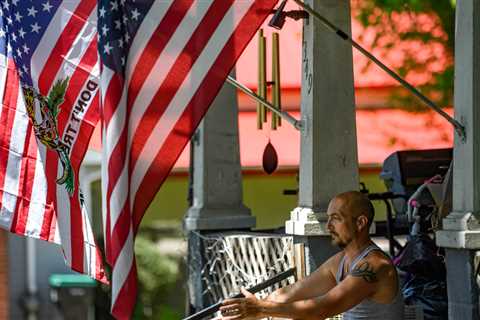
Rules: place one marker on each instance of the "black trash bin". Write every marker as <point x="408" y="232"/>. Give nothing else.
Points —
<point x="73" y="296"/>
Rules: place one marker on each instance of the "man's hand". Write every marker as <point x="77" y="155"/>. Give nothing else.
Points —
<point x="248" y="308"/>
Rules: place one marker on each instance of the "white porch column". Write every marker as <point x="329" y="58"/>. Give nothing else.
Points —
<point x="217" y="178"/>
<point x="328" y="158"/>
<point x="461" y="234"/>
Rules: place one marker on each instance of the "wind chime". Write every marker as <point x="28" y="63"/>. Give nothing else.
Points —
<point x="270" y="158"/>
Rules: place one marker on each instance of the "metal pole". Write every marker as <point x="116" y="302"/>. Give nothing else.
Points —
<point x="259" y="287"/>
<point x="294" y="122"/>
<point x="458" y="127"/>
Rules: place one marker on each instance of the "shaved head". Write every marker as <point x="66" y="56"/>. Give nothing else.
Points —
<point x="355" y="204"/>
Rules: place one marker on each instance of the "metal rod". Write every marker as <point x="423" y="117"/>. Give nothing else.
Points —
<point x="262" y="76"/>
<point x="259" y="287"/>
<point x="276" y="94"/>
<point x="458" y="127"/>
<point x="294" y="122"/>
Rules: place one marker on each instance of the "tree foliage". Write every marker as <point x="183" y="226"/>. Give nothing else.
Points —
<point x="385" y="16"/>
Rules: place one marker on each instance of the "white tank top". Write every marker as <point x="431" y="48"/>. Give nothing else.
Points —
<point x="369" y="309"/>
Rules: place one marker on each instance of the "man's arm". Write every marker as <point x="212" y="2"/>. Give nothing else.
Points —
<point x="359" y="285"/>
<point x="316" y="284"/>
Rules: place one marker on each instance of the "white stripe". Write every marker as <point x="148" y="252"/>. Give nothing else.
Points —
<point x="73" y="58"/>
<point x="104" y="181"/>
<point x="115" y="127"/>
<point x="39" y="193"/>
<point x="14" y="163"/>
<point x="183" y="96"/>
<point x="118" y="197"/>
<point x="3" y="75"/>
<point x="71" y="61"/>
<point x="50" y="37"/>
<point x="56" y="237"/>
<point x="90" y="250"/>
<point x="63" y="218"/>
<point x="106" y="77"/>
<point x="117" y="123"/>
<point x="122" y="267"/>
<point x="146" y="30"/>
<point x="164" y="64"/>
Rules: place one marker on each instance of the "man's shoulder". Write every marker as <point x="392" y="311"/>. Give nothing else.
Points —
<point x="376" y="264"/>
<point x="379" y="260"/>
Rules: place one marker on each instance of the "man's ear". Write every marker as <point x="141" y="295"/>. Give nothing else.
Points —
<point x="362" y="222"/>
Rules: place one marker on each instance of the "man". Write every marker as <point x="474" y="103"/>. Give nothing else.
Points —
<point x="360" y="281"/>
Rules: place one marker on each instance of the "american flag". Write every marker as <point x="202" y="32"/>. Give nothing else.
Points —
<point x="49" y="77"/>
<point x="163" y="64"/>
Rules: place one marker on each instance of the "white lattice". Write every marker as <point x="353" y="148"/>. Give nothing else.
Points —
<point x="235" y="260"/>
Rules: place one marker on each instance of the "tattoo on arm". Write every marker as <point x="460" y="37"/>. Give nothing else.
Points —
<point x="364" y="270"/>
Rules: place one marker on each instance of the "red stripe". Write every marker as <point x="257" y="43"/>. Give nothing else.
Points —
<point x="112" y="98"/>
<point x="26" y="180"/>
<point x="64" y="43"/>
<point x="120" y="233"/>
<point x="100" y="271"/>
<point x="79" y="149"/>
<point x="176" y="76"/>
<point x="7" y="116"/>
<point x="117" y="155"/>
<point x="53" y="224"/>
<point x="194" y="112"/>
<point x="155" y="46"/>
<point x="126" y="299"/>
<point x="107" y="237"/>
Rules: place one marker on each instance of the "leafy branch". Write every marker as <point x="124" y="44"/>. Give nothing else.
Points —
<point x="425" y="23"/>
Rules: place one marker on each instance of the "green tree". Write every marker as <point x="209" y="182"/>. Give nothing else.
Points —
<point x="387" y="18"/>
<point x="157" y="274"/>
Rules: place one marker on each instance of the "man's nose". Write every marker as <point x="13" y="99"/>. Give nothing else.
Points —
<point x="329" y="224"/>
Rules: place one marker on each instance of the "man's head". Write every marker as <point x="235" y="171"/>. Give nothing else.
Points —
<point x="350" y="215"/>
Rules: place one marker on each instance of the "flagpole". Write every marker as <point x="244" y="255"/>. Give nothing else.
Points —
<point x="458" y="127"/>
<point x="294" y="122"/>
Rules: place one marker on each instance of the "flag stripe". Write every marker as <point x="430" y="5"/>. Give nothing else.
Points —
<point x="122" y="268"/>
<point x="8" y="168"/>
<point x="157" y="43"/>
<point x="37" y="195"/>
<point x="64" y="44"/>
<point x="129" y="292"/>
<point x="27" y="173"/>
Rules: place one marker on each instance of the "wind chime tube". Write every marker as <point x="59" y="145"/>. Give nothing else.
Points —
<point x="259" y="77"/>
<point x="276" y="88"/>
<point x="262" y="73"/>
<point x="259" y="85"/>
